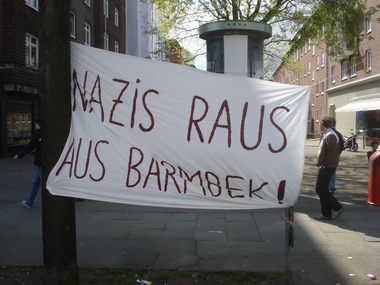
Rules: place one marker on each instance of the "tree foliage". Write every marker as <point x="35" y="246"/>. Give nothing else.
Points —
<point x="293" y="21"/>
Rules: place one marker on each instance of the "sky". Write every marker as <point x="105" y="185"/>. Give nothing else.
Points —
<point x="201" y="62"/>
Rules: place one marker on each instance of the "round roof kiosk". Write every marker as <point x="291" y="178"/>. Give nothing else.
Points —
<point x="235" y="47"/>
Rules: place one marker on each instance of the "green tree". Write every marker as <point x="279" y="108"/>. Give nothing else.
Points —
<point x="338" y="20"/>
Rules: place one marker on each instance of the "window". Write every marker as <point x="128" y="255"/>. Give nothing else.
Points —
<point x="308" y="67"/>
<point x="333" y="74"/>
<point x="313" y="50"/>
<point x="317" y="89"/>
<point x="304" y="69"/>
<point x="368" y="60"/>
<point x="312" y="101"/>
<point x="312" y="75"/>
<point x="32" y="3"/>
<point x="87" y="34"/>
<point x="317" y="62"/>
<point x="88" y="2"/>
<point x="31" y="52"/>
<point x="106" y="42"/>
<point x="105" y="3"/>
<point x="308" y="44"/>
<point x="316" y="115"/>
<point x="353" y="66"/>
<point x="323" y="59"/>
<point x="368" y="25"/>
<point x="322" y="87"/>
<point x="344" y="69"/>
<point x="72" y="24"/>
<point x="116" y="17"/>
<point x="322" y="111"/>
<point x="116" y="46"/>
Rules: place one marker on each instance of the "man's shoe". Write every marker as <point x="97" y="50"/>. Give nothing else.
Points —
<point x="25" y="205"/>
<point x="322" y="217"/>
<point x="337" y="214"/>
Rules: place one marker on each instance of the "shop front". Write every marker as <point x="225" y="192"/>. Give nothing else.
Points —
<point x="17" y="121"/>
<point x="356" y="107"/>
<point x="367" y="117"/>
<point x="19" y="124"/>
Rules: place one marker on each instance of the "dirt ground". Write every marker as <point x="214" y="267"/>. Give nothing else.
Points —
<point x="34" y="276"/>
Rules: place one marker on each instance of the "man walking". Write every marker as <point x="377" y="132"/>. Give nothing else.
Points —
<point x="341" y="143"/>
<point x="33" y="145"/>
<point x="328" y="160"/>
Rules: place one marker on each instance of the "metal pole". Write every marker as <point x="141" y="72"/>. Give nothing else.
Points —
<point x="289" y="241"/>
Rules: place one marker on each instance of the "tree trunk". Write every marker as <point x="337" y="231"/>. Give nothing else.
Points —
<point x="235" y="10"/>
<point x="58" y="213"/>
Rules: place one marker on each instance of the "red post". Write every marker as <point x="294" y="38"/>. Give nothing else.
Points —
<point x="374" y="179"/>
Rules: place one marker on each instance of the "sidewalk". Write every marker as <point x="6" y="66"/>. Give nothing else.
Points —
<point x="124" y="236"/>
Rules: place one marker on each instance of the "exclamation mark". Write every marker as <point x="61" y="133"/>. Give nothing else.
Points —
<point x="281" y="191"/>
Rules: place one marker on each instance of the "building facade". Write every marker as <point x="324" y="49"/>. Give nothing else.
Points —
<point x="141" y="41"/>
<point x="346" y="88"/>
<point x="98" y="23"/>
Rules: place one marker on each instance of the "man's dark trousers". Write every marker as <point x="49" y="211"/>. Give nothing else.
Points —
<point x="328" y="201"/>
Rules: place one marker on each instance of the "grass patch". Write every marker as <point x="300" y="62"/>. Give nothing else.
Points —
<point x="312" y="136"/>
<point x="34" y="276"/>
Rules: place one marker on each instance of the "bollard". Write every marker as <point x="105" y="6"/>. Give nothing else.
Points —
<point x="374" y="179"/>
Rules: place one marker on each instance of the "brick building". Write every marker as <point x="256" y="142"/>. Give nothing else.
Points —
<point x="347" y="88"/>
<point x="19" y="47"/>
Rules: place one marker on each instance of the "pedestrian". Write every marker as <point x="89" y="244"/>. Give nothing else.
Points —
<point x="328" y="160"/>
<point x="33" y="145"/>
<point x="374" y="146"/>
<point x="341" y="145"/>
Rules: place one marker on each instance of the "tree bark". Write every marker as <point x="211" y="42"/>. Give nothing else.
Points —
<point x="58" y="213"/>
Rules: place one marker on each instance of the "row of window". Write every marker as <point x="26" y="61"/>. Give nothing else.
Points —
<point x="319" y="62"/>
<point x="318" y="114"/>
<point x="303" y="50"/>
<point x="87" y="38"/>
<point x="320" y="90"/>
<point x="349" y="67"/>
<point x="346" y="70"/>
<point x="31" y="46"/>
<point x="309" y="46"/>
<point x="34" y="4"/>
<point x="31" y="42"/>
<point x="106" y="10"/>
<point x="87" y="27"/>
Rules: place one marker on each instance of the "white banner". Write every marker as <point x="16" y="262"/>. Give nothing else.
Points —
<point x="160" y="134"/>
